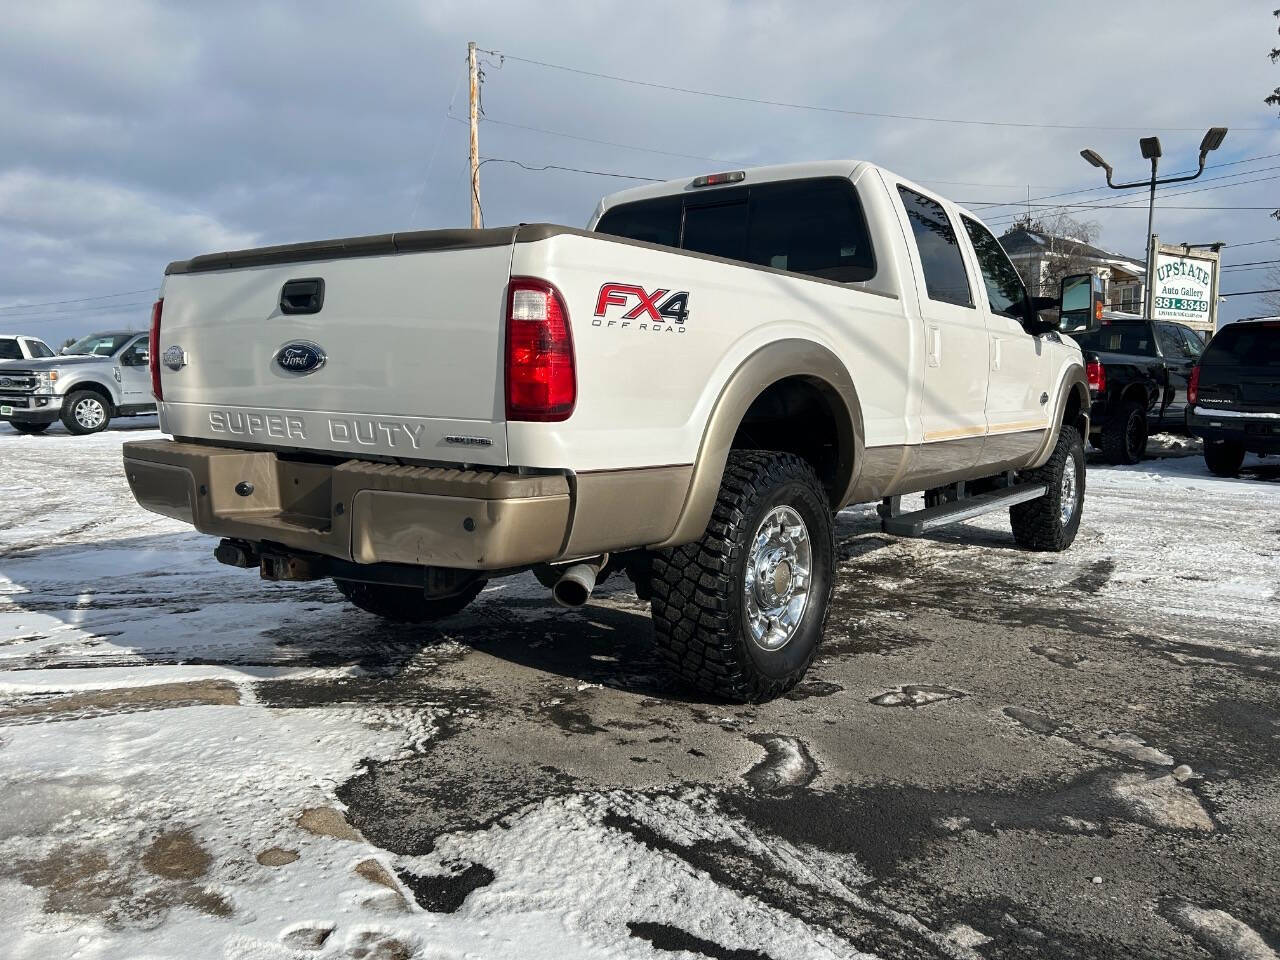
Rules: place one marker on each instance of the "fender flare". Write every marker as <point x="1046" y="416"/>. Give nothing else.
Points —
<point x="759" y="371"/>
<point x="1073" y="380"/>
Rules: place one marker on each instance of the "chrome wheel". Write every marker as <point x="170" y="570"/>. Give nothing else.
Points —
<point x="1067" y="496"/>
<point x="779" y="570"/>
<point x="90" y="413"/>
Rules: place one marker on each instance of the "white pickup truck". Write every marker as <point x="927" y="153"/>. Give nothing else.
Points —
<point x="685" y="391"/>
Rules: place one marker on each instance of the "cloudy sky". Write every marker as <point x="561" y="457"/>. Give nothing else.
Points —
<point x="135" y="133"/>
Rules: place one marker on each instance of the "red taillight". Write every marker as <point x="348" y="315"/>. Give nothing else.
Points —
<point x="1097" y="375"/>
<point x="1193" y="384"/>
<point x="540" y="378"/>
<point x="153" y="349"/>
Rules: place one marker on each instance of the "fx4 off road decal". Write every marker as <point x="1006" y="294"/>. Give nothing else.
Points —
<point x="635" y="308"/>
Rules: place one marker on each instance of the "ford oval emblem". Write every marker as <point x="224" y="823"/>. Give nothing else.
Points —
<point x="300" y="357"/>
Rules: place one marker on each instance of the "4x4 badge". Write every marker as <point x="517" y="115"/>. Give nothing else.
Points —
<point x="174" y="357"/>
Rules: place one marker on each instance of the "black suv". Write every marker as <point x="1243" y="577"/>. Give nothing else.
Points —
<point x="1138" y="375"/>
<point x="1234" y="395"/>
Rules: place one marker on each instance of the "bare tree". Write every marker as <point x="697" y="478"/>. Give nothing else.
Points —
<point x="1272" y="300"/>
<point x="1063" y="255"/>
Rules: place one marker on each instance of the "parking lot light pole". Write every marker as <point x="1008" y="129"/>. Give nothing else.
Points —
<point x="1150" y="147"/>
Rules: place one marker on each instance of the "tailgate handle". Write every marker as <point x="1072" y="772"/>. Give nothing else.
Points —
<point x="302" y="296"/>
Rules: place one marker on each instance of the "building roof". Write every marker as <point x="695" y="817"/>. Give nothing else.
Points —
<point x="1020" y="240"/>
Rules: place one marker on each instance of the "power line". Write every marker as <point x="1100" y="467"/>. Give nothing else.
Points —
<point x="555" y="166"/>
<point x="82" y="315"/>
<point x="57" y="303"/>
<point x="1121" y="206"/>
<point x="1249" y="293"/>
<point x="1137" y="198"/>
<point x="1252" y="243"/>
<point x="1104" y="187"/>
<point x="1264" y="266"/>
<point x="74" y="312"/>
<point x="606" y="143"/>
<point x="696" y="156"/>
<point x="841" y="110"/>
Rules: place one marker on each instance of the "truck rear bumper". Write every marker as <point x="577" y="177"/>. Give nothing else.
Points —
<point x="1256" y="432"/>
<point x="368" y="512"/>
<point x="358" y="511"/>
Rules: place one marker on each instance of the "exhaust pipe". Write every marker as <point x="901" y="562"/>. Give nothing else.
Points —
<point x="574" y="587"/>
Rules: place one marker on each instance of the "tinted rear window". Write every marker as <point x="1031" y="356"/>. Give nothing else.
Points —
<point x="9" y="350"/>
<point x="811" y="227"/>
<point x="654" y="221"/>
<point x="1249" y="344"/>
<point x="1134" y="338"/>
<point x="945" y="278"/>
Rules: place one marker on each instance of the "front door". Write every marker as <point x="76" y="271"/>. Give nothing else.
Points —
<point x="953" y="405"/>
<point x="1018" y="401"/>
<point x="134" y="373"/>
<point x="1178" y="361"/>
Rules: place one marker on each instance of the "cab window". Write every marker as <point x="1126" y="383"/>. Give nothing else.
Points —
<point x="812" y="227"/>
<point x="945" y="278"/>
<point x="1195" y="346"/>
<point x="1005" y="293"/>
<point x="1171" y="343"/>
<point x="38" y="348"/>
<point x="9" y="350"/>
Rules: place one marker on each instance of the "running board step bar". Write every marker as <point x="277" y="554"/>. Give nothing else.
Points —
<point x="916" y="523"/>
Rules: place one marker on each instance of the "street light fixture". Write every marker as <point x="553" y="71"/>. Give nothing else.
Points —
<point x="1150" y="147"/>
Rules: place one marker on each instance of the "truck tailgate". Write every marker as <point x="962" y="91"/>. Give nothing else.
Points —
<point x="411" y="346"/>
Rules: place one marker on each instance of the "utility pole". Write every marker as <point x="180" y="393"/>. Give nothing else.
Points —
<point x="474" y="76"/>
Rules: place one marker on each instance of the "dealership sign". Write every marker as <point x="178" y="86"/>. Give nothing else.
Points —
<point x="1184" y="285"/>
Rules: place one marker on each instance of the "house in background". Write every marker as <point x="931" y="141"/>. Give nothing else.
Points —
<point x="1043" y="260"/>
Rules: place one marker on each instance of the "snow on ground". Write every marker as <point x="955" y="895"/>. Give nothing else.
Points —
<point x="150" y="806"/>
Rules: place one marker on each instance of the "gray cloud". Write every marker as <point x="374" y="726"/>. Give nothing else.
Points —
<point x="140" y="132"/>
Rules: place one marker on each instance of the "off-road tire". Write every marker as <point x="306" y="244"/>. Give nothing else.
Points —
<point x="1038" y="524"/>
<point x="1124" y="436"/>
<point x="72" y="421"/>
<point x="699" y="613"/>
<point x="1223" y="459"/>
<point x="405" y="604"/>
<point x="28" y="427"/>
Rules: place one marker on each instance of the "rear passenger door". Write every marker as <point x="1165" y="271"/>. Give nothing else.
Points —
<point x="1016" y="413"/>
<point x="953" y="404"/>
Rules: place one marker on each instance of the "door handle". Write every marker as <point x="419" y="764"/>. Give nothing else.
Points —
<point x="935" y="345"/>
<point x="302" y="296"/>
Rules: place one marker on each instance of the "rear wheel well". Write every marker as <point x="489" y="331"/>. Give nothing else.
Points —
<point x="1138" y="393"/>
<point x="804" y="416"/>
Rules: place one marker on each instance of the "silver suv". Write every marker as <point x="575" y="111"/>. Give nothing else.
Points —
<point x="101" y="376"/>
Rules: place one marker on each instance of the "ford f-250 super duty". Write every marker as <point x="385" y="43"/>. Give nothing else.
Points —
<point x="684" y="392"/>
<point x="93" y="380"/>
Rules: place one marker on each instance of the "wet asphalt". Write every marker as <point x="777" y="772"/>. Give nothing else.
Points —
<point x="1005" y="767"/>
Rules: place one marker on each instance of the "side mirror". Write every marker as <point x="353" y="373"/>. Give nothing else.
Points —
<point x="1080" y="303"/>
<point x="1036" y="323"/>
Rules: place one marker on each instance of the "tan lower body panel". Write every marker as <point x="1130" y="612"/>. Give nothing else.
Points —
<point x="896" y="469"/>
<point x="366" y="512"/>
<point x="615" y="509"/>
<point x="430" y="516"/>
